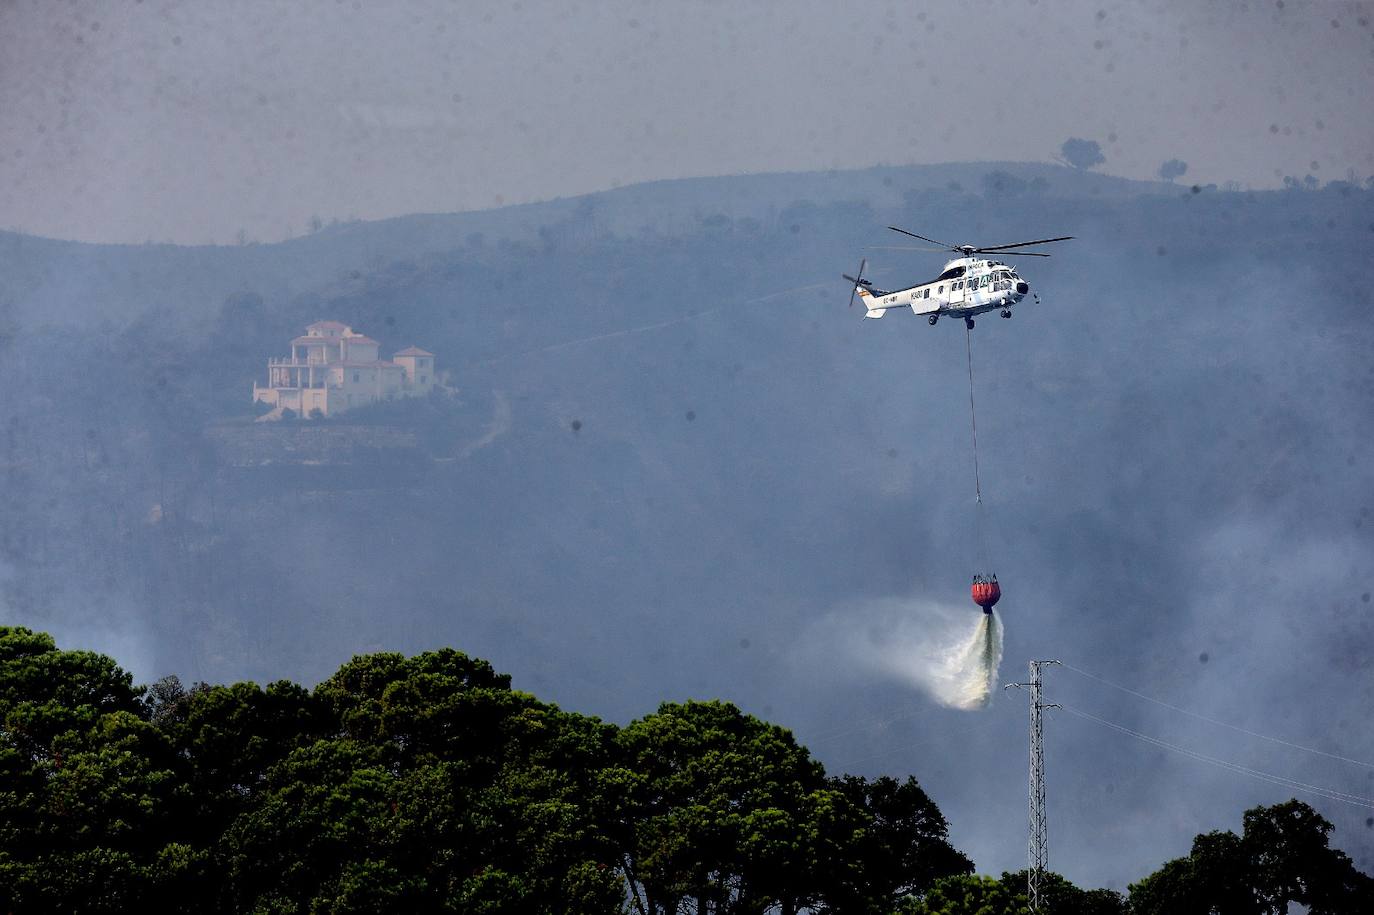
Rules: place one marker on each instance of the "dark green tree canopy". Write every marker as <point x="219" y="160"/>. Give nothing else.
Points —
<point x="1282" y="855"/>
<point x="427" y="784"/>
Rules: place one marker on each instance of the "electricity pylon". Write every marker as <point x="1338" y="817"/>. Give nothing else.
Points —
<point x="1038" y="848"/>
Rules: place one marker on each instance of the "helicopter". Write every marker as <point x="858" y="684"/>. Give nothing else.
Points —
<point x="969" y="285"/>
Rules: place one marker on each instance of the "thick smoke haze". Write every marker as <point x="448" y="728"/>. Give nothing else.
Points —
<point x="677" y="466"/>
<point x="672" y="464"/>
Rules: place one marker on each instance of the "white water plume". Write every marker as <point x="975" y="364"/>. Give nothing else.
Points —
<point x="950" y="653"/>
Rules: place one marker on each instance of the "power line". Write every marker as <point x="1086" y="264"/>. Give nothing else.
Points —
<point x="1322" y="791"/>
<point x="1184" y="711"/>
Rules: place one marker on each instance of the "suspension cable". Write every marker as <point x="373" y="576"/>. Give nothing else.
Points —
<point x="973" y="415"/>
<point x="979" y="521"/>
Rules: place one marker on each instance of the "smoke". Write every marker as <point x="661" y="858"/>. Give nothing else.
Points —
<point x="949" y="653"/>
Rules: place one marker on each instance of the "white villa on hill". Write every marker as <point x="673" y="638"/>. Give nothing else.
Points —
<point x="332" y="369"/>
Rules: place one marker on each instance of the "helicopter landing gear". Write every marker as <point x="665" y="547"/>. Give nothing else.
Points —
<point x="932" y="319"/>
<point x="1006" y="312"/>
<point x="968" y="322"/>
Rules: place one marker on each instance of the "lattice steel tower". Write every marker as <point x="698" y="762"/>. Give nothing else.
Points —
<point x="1038" y="848"/>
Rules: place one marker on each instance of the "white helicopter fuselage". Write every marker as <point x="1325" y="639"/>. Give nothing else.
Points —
<point x="967" y="286"/>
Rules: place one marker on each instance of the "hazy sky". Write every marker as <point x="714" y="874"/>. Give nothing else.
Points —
<point x="191" y="122"/>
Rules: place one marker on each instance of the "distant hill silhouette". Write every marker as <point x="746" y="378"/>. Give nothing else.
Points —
<point x="72" y="282"/>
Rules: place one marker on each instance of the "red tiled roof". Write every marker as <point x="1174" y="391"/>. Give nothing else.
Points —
<point x="359" y="338"/>
<point x="413" y="351"/>
<point x="315" y="341"/>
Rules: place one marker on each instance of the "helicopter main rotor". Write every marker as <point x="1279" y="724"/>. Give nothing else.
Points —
<point x="970" y="250"/>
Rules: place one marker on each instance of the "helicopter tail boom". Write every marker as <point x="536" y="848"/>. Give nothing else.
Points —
<point x="870" y="302"/>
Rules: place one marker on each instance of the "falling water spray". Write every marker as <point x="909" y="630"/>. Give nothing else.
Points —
<point x="943" y="650"/>
<point x="970" y="677"/>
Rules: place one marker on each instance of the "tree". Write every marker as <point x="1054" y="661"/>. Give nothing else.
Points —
<point x="969" y="894"/>
<point x="723" y="811"/>
<point x="425" y="784"/>
<point x="717" y="811"/>
<point x="902" y="848"/>
<point x="1172" y="169"/>
<point x="1058" y="896"/>
<point x="1081" y="154"/>
<point x="89" y="786"/>
<point x="45" y="692"/>
<point x="474" y="796"/>
<point x="1282" y="856"/>
<point x="324" y="818"/>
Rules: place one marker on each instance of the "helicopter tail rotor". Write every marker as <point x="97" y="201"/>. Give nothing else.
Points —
<point x="858" y="281"/>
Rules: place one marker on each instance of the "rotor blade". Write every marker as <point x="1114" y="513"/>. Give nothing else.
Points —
<point x="1018" y="254"/>
<point x="853" y="290"/>
<point x="942" y="245"/>
<point x="1022" y="244"/>
<point x="900" y="248"/>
